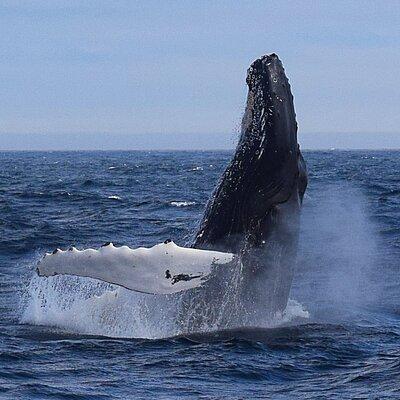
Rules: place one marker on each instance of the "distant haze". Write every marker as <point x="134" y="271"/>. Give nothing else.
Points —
<point x="191" y="141"/>
<point x="152" y="74"/>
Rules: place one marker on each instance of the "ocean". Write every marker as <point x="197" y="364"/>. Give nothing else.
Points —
<point x="76" y="338"/>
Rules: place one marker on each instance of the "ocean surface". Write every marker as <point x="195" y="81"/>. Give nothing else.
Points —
<point x="76" y="338"/>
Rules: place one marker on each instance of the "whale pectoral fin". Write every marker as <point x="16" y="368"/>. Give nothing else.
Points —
<point x="163" y="269"/>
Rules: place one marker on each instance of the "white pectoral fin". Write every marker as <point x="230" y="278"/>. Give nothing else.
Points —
<point x="162" y="269"/>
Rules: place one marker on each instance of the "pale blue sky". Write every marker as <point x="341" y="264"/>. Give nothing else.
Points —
<point x="164" y="74"/>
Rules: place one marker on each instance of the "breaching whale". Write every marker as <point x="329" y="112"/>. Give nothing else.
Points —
<point x="254" y="210"/>
<point x="251" y="221"/>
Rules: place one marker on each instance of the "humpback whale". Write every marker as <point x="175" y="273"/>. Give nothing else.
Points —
<point x="254" y="210"/>
<point x="251" y="222"/>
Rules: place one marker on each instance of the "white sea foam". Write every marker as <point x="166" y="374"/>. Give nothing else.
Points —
<point x="182" y="203"/>
<point x="293" y="311"/>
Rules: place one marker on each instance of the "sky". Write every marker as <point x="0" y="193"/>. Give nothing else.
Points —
<point x="171" y="74"/>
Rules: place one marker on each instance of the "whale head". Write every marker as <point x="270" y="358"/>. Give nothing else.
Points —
<point x="267" y="169"/>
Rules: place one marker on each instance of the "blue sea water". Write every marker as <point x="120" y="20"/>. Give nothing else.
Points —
<point x="70" y="339"/>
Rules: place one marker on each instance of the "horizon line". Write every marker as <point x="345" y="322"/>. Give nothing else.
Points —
<point x="184" y="150"/>
<point x="210" y="141"/>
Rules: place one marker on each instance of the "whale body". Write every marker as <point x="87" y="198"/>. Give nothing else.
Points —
<point x="254" y="210"/>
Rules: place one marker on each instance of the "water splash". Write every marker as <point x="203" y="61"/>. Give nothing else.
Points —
<point x="338" y="252"/>
<point x="86" y="306"/>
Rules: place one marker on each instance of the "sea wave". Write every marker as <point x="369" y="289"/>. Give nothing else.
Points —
<point x="182" y="203"/>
